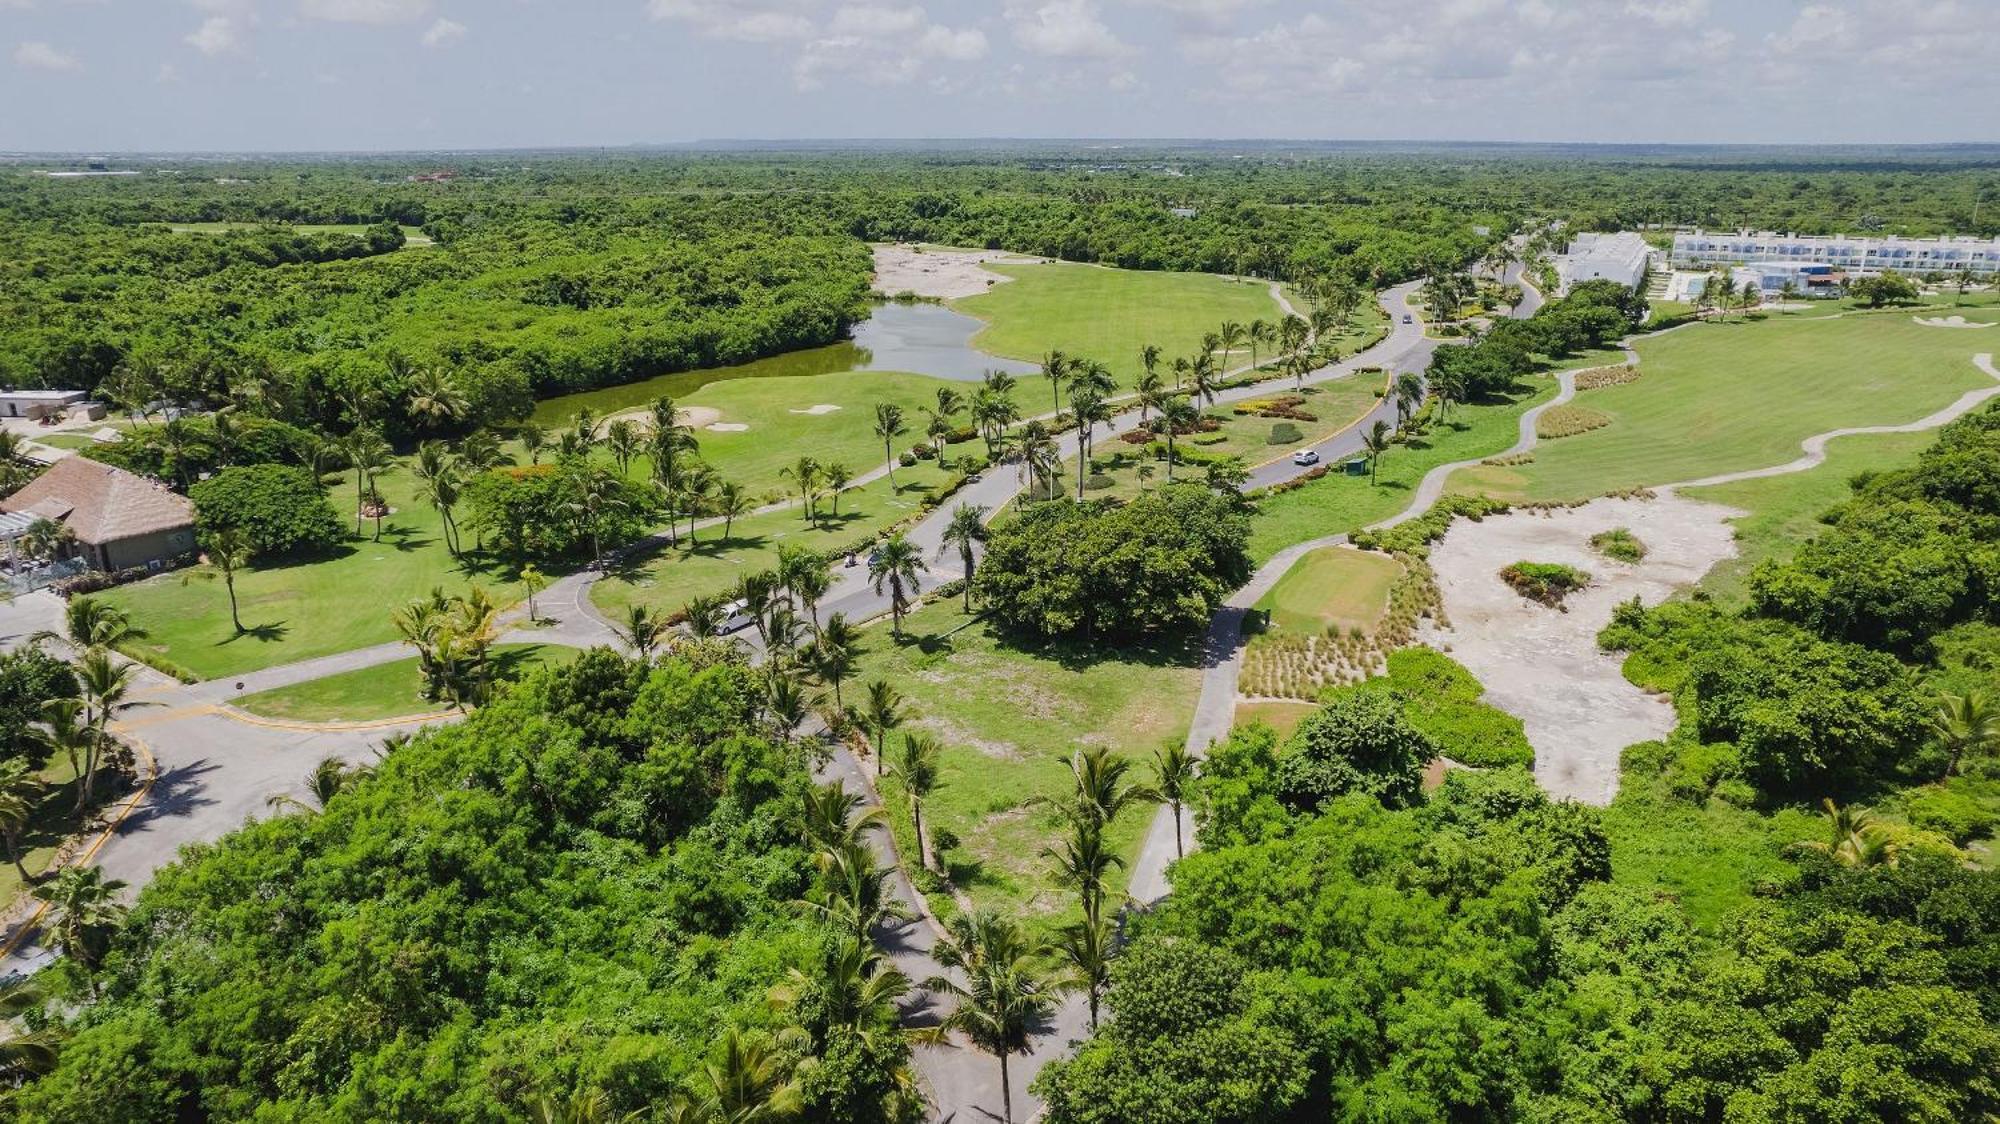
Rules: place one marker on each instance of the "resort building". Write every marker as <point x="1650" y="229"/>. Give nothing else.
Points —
<point x="1844" y="252"/>
<point x="1806" y="279"/>
<point x="1623" y="257"/>
<point x="37" y="404"/>
<point x="120" y="520"/>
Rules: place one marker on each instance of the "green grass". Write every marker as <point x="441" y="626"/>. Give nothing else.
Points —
<point x="52" y="822"/>
<point x="1284" y="717"/>
<point x="1335" y="504"/>
<point x="1109" y="315"/>
<point x="386" y="690"/>
<point x="1714" y="398"/>
<point x="309" y="609"/>
<point x="1335" y="586"/>
<point x="1009" y="719"/>
<point x="710" y="565"/>
<point x="64" y="440"/>
<point x="1782" y="512"/>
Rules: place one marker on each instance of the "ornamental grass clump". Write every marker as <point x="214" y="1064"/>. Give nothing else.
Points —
<point x="1618" y="543"/>
<point x="1546" y="582"/>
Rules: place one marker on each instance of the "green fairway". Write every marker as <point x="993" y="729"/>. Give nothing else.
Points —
<point x="1109" y="315"/>
<point x="1714" y="398"/>
<point x="1332" y="587"/>
<point x="1783" y="511"/>
<point x="308" y="609"/>
<point x="386" y="690"/>
<point x="710" y="565"/>
<point x="1009" y="719"/>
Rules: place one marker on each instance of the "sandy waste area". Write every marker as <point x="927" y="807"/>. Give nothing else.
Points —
<point x="941" y="274"/>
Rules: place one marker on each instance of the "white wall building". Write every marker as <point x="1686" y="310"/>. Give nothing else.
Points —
<point x="1622" y="257"/>
<point x="34" y="404"/>
<point x="1849" y="253"/>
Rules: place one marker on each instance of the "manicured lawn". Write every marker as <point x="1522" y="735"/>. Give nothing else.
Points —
<point x="1283" y="717"/>
<point x="388" y="690"/>
<point x="308" y="609"/>
<point x="64" y="440"/>
<point x="1714" y="398"/>
<point x="1783" y="511"/>
<point x="1332" y="587"/>
<point x="711" y="565"/>
<point x="1335" y="504"/>
<point x="1009" y="719"/>
<point x="1109" y="315"/>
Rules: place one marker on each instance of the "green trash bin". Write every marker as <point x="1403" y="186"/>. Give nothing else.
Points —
<point x="1356" y="467"/>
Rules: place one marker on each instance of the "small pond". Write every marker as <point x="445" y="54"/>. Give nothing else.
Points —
<point x="924" y="339"/>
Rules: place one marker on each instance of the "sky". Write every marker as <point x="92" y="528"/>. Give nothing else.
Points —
<point x="319" y="75"/>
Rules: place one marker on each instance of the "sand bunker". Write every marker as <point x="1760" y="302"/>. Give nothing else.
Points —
<point x="816" y="411"/>
<point x="942" y="274"/>
<point x="1949" y="322"/>
<point x="694" y="417"/>
<point x="726" y="427"/>
<point x="1542" y="665"/>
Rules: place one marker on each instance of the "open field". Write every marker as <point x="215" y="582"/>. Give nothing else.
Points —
<point x="308" y="609"/>
<point x="710" y="565"/>
<point x="1714" y="398"/>
<point x="387" y="690"/>
<point x="1335" y="587"/>
<point x="1009" y="718"/>
<point x="412" y="236"/>
<point x="1110" y="314"/>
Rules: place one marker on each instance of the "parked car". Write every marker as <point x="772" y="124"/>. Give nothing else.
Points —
<point x="735" y="618"/>
<point x="1406" y="318"/>
<point x="1306" y="456"/>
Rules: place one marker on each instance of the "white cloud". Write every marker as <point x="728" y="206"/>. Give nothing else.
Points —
<point x="753" y="21"/>
<point x="1064" y="29"/>
<point x="365" y="11"/>
<point x="880" y="45"/>
<point x="37" y="55"/>
<point x="442" y="32"/>
<point x="217" y="35"/>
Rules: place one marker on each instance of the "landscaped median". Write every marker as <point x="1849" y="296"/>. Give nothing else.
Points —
<point x="386" y="690"/>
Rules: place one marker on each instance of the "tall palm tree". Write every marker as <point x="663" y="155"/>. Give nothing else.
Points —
<point x="641" y="630"/>
<point x="1177" y="414"/>
<point x="328" y="779"/>
<point x="625" y="442"/>
<point x="20" y="795"/>
<point x="855" y="990"/>
<point x="1173" y="780"/>
<point x="1006" y="994"/>
<point x="24" y="1053"/>
<point x="703" y="614"/>
<point x="730" y="502"/>
<point x="1088" y="407"/>
<point x="1231" y="338"/>
<point x="1055" y="368"/>
<point x="1099" y="790"/>
<point x="1083" y="861"/>
<point x="81" y="904"/>
<point x="804" y="474"/>
<point x="1204" y="380"/>
<point x="836" y="477"/>
<point x="918" y="768"/>
<point x="440" y="474"/>
<point x="670" y="442"/>
<point x="533" y="440"/>
<point x="836" y="653"/>
<point x="1211" y="342"/>
<point x="889" y="426"/>
<point x="1152" y="391"/>
<point x="1086" y="949"/>
<point x="852" y="892"/>
<point x="785" y="705"/>
<point x="899" y="565"/>
<point x="1040" y="460"/>
<point x="1966" y="725"/>
<point x="1409" y="396"/>
<point x="228" y="550"/>
<point x="1259" y="333"/>
<point x="435" y="400"/>
<point x="1149" y="360"/>
<point x="594" y="498"/>
<point x="831" y="817"/>
<point x="105" y="684"/>
<point x="748" y="1083"/>
<point x="881" y="712"/>
<point x="1376" y="441"/>
<point x="370" y="457"/>
<point x="966" y="530"/>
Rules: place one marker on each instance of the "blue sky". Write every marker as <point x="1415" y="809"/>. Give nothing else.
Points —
<point x="122" y="75"/>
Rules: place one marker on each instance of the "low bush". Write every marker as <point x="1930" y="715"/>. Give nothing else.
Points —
<point x="1440" y="698"/>
<point x="1606" y="376"/>
<point x="1546" y="582"/>
<point x="1954" y="812"/>
<point x="1415" y="536"/>
<point x="1618" y="543"/>
<point x="1284" y="433"/>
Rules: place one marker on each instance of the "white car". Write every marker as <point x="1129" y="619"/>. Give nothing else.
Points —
<point x="1305" y="456"/>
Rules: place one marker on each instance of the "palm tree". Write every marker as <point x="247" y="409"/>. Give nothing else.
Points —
<point x="641" y="630"/>
<point x="852" y="892"/>
<point x="1055" y="368"/>
<point x="90" y="622"/>
<point x="881" y="713"/>
<point x="1173" y="780"/>
<point x="1086" y="949"/>
<point x="583" y="430"/>
<point x="1204" y="381"/>
<point x="369" y="455"/>
<point x="993" y="411"/>
<point x="898" y="564"/>
<point x="533" y="440"/>
<point x="785" y="706"/>
<point x="228" y="550"/>
<point x="435" y="400"/>
<point x="80" y="904"/>
<point x="730" y="502"/>
<point x="1181" y="369"/>
<point x="1006" y="995"/>
<point x="625" y="442"/>
<point x="20" y="795"/>
<point x="835" y="655"/>
<point x="584" y="1107"/>
<point x="328" y="779"/>
<point x="24" y="1053"/>
<point x="1083" y="861"/>
<point x="1098" y="788"/>
<point x="1039" y="459"/>
<point x="749" y="1083"/>
<point x="1211" y="342"/>
<point x="1854" y="838"/>
<point x="1177" y="413"/>
<point x="439" y="473"/>
<point x="1231" y="337"/>
<point x="105" y="683"/>
<point x="804" y="475"/>
<point x="836" y="477"/>
<point x="966" y="530"/>
<point x="533" y="581"/>
<point x="593" y="497"/>
<point x="889" y="426"/>
<point x="917" y="768"/>
<point x="1375" y="442"/>
<point x="1409" y="396"/>
<point x="1260" y="333"/>
<point x="1087" y="405"/>
<point x="855" y="990"/>
<point x="1149" y="360"/>
<point x="47" y="539"/>
<point x="1966" y="725"/>
<point x="832" y="817"/>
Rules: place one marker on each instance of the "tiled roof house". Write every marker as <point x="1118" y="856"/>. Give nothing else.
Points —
<point x="120" y="520"/>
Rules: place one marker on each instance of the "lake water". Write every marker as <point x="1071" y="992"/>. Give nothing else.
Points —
<point x="923" y="339"/>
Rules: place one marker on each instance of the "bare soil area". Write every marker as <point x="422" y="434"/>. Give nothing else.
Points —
<point x="1542" y="664"/>
<point x="939" y="274"/>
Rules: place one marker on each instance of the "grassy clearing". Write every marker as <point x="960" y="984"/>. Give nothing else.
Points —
<point x="1716" y="398"/>
<point x="709" y="565"/>
<point x="1009" y="719"/>
<point x="1284" y="717"/>
<point x="387" y="690"/>
<point x="52" y="822"/>
<point x="1333" y="587"/>
<point x="310" y="609"/>
<point x="64" y="440"/>
<point x="1782" y="512"/>
<point x="1110" y="314"/>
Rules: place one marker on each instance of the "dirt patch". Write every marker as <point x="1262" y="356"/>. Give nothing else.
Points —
<point x="817" y="411"/>
<point x="952" y="733"/>
<point x="1949" y="322"/>
<point x="694" y="417"/>
<point x="1544" y="668"/>
<point x="940" y="274"/>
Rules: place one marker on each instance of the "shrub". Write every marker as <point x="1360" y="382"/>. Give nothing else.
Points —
<point x="1568" y="421"/>
<point x="1284" y="433"/>
<point x="29" y="677"/>
<point x="1546" y="582"/>
<point x="1618" y="543"/>
<point x="1415" y="536"/>
<point x="1358" y="742"/>
<point x="907" y="460"/>
<point x="1440" y="698"/>
<point x="1952" y="812"/>
<point x="1606" y="376"/>
<point x="281" y="510"/>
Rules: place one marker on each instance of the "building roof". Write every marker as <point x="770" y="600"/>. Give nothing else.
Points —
<point x="101" y="504"/>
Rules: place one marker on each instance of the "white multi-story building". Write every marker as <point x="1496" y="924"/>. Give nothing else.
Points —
<point x="1622" y="257"/>
<point x="1846" y="252"/>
